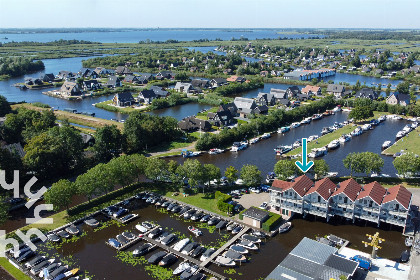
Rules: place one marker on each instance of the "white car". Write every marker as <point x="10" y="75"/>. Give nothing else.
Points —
<point x="255" y="190"/>
<point x="264" y="206"/>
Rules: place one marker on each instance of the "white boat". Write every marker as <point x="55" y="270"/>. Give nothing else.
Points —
<point x="254" y="140"/>
<point x="325" y="130"/>
<point x="195" y="231"/>
<point x="141" y="228"/>
<point x="386" y="144"/>
<point x="181" y="268"/>
<point x="295" y="124"/>
<point x="318" y="152"/>
<point x="337" y="109"/>
<point x="282" y="149"/>
<point x="357" y="131"/>
<point x="306" y="120"/>
<point x="366" y="127"/>
<point x="266" y="135"/>
<point x="334" y="144"/>
<point x="239" y="249"/>
<point x="248" y="245"/>
<point x="283" y="129"/>
<point x="297" y="144"/>
<point x="382" y="118"/>
<point x="344" y="138"/>
<point x="237" y="146"/>
<point x="331" y="174"/>
<point x="185" y="153"/>
<point x="181" y="244"/>
<point x="215" y="151"/>
<point x="414" y="125"/>
<point x="235" y="256"/>
<point x="407" y="128"/>
<point x="225" y="261"/>
<point x="400" y="134"/>
<point x="312" y="138"/>
<point x="316" y="117"/>
<point x="285" y="227"/>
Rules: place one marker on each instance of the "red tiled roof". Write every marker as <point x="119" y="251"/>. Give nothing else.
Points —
<point x="350" y="188"/>
<point x="374" y="190"/>
<point x="301" y="185"/>
<point x="310" y="88"/>
<point x="400" y="194"/>
<point x="323" y="187"/>
<point x="280" y="185"/>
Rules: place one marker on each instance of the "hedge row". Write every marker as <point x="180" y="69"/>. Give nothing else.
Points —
<point x="272" y="222"/>
<point x="222" y="200"/>
<point x="108" y="197"/>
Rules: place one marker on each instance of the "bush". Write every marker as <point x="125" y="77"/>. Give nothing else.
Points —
<point x="222" y="200"/>
<point x="41" y="105"/>
<point x="273" y="221"/>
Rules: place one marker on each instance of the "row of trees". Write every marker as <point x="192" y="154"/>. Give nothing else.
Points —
<point x="127" y="169"/>
<point x="262" y="124"/>
<point x="365" y="162"/>
<point x="407" y="164"/>
<point x="18" y="66"/>
<point x="285" y="169"/>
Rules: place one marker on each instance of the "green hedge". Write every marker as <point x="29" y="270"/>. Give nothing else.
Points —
<point x="222" y="200"/>
<point x="241" y="214"/>
<point x="102" y="199"/>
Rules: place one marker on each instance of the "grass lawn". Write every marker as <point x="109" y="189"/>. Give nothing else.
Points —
<point x="106" y="106"/>
<point x="59" y="219"/>
<point x="409" y="143"/>
<point x="324" y="140"/>
<point x="170" y="146"/>
<point x="16" y="273"/>
<point x="204" y="201"/>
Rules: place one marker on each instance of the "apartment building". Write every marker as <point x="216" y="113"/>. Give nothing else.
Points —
<point x="371" y="202"/>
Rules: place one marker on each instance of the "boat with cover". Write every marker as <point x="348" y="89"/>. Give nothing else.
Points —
<point x="198" y="276"/>
<point x="400" y="134"/>
<point x="213" y="221"/>
<point x="155" y="233"/>
<point x="231" y="226"/>
<point x="49" y="269"/>
<point x="92" y="222"/>
<point x="37" y="268"/>
<point x="221" y="224"/>
<point x="224" y="261"/>
<point x="259" y="234"/>
<point x="318" y="152"/>
<point x="266" y="135"/>
<point x="36" y="260"/>
<point x="181" y="244"/>
<point x="357" y="131"/>
<point x="189" y="248"/>
<point x="63" y="234"/>
<point x="283" y="129"/>
<point x="234" y="256"/>
<point x="325" y="130"/>
<point x="295" y="125"/>
<point x="128" y="235"/>
<point x="141" y="228"/>
<point x="195" y="231"/>
<point x="283" y="149"/>
<point x="316" y="117"/>
<point x="187" y="274"/>
<point x="121" y="239"/>
<point x="312" y="138"/>
<point x="366" y="127"/>
<point x="215" y="151"/>
<point x="237" y="146"/>
<point x="169" y="239"/>
<point x="155" y="258"/>
<point x="53" y="237"/>
<point x="254" y="140"/>
<point x="344" y="138"/>
<point x="59" y="271"/>
<point x="168" y="260"/>
<point x="198" y="251"/>
<point x="72" y="230"/>
<point x="248" y="245"/>
<point x="142" y="250"/>
<point x="207" y="254"/>
<point x="251" y="238"/>
<point x="205" y="218"/>
<point x="186" y="154"/>
<point x="285" y="227"/>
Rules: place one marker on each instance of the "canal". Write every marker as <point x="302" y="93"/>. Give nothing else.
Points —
<point x="262" y="154"/>
<point x="90" y="253"/>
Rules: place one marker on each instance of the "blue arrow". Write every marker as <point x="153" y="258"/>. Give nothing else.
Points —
<point x="304" y="166"/>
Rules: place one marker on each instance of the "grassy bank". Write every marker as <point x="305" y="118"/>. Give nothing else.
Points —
<point x="16" y="273"/>
<point x="203" y="201"/>
<point x="409" y="143"/>
<point x="126" y="110"/>
<point x="73" y="118"/>
<point x="324" y="140"/>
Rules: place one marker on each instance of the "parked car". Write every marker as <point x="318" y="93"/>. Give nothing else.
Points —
<point x="264" y="188"/>
<point x="264" y="206"/>
<point x="254" y="190"/>
<point x="364" y="262"/>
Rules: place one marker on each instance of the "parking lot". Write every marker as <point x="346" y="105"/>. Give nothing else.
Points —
<point x="253" y="199"/>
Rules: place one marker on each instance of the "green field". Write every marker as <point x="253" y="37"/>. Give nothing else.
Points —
<point x="409" y="143"/>
<point x="324" y="140"/>
<point x="203" y="201"/>
<point x="16" y="273"/>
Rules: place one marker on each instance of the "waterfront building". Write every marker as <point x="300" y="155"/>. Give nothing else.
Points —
<point x="123" y="99"/>
<point x="70" y="89"/>
<point x="184" y="87"/>
<point x="336" y="90"/>
<point x="311" y="90"/>
<point x="371" y="202"/>
<point x="313" y="260"/>
<point x="367" y="93"/>
<point x="255" y="217"/>
<point x="398" y="98"/>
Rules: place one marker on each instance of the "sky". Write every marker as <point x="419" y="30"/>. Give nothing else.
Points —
<point x="210" y="14"/>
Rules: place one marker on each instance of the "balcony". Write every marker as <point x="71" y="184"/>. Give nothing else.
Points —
<point x="369" y="218"/>
<point x="291" y="208"/>
<point x="398" y="213"/>
<point x="393" y="221"/>
<point x="317" y="212"/>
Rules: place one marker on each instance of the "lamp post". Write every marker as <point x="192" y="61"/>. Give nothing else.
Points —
<point x="374" y="241"/>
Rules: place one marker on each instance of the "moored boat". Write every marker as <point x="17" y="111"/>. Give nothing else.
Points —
<point x="224" y="261"/>
<point x="333" y="145"/>
<point x="215" y="151"/>
<point x="386" y="145"/>
<point x="283" y="129"/>
<point x="235" y="256"/>
<point x="195" y="231"/>
<point x="344" y="138"/>
<point x="251" y="238"/>
<point x="285" y="227"/>
<point x="266" y="136"/>
<point x="248" y="245"/>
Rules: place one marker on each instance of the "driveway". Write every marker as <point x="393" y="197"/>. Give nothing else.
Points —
<point x="253" y="199"/>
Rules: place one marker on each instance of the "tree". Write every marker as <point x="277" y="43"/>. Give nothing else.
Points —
<point x="60" y="194"/>
<point x="362" y="109"/>
<point x="10" y="161"/>
<point x="108" y="142"/>
<point x="285" y="169"/>
<point x="407" y="164"/>
<point x="351" y="162"/>
<point x="357" y="86"/>
<point x="182" y="76"/>
<point x="413" y="96"/>
<point x="403" y="87"/>
<point x="366" y="162"/>
<point x="356" y="61"/>
<point x="231" y="174"/>
<point x="156" y="170"/>
<point x="87" y="185"/>
<point x="210" y="172"/>
<point x="388" y="89"/>
<point x="4" y="106"/>
<point x="139" y="164"/>
<point x="194" y="172"/>
<point x="4" y="210"/>
<point x="251" y="175"/>
<point x="321" y="168"/>
<point x="175" y="173"/>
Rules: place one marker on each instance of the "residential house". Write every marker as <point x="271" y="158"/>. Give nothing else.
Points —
<point x="367" y="93"/>
<point x="343" y="199"/>
<point x="287" y="197"/>
<point x="261" y="110"/>
<point x="192" y="123"/>
<point x="366" y="69"/>
<point x="311" y="90"/>
<point x="70" y="89"/>
<point x="88" y="73"/>
<point x="91" y="85"/>
<point x="165" y="75"/>
<point x="264" y="73"/>
<point x="221" y="118"/>
<point x="231" y="107"/>
<point x="113" y="82"/>
<point x="131" y="79"/>
<point x="379" y="72"/>
<point x="368" y="203"/>
<point x="122" y="70"/>
<point x="184" y="87"/>
<point x="395" y="207"/>
<point x="415" y="68"/>
<point x="284" y="102"/>
<point x="123" y="99"/>
<point x="48" y="78"/>
<point x="398" y="98"/>
<point x="159" y="92"/>
<point x="217" y="82"/>
<point x="245" y="106"/>
<point x="266" y="99"/>
<point x="194" y="69"/>
<point x="103" y="72"/>
<point x="236" y="79"/>
<point x="316" y="199"/>
<point x="88" y="140"/>
<point x="279" y="94"/>
<point x="336" y="90"/>
<point x="146" y="96"/>
<point x="202" y="84"/>
<point x="66" y="75"/>
<point x="292" y="91"/>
